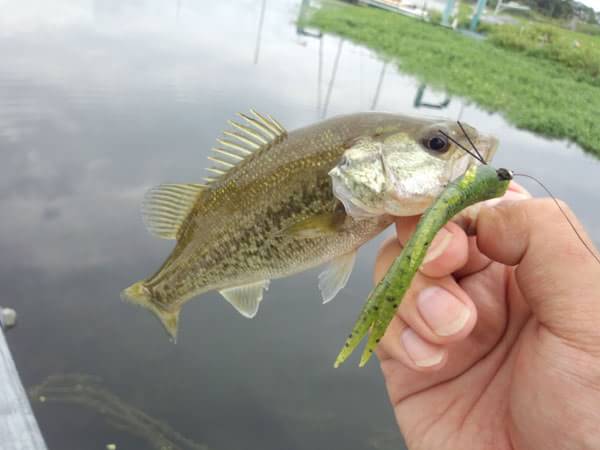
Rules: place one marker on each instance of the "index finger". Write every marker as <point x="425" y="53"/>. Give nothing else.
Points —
<point x="451" y="250"/>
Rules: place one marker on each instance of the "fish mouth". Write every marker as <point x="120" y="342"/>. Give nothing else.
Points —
<point x="486" y="147"/>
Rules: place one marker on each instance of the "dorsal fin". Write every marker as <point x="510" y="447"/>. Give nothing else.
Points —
<point x="259" y="132"/>
<point x="166" y="206"/>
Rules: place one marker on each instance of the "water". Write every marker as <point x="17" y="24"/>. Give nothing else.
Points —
<point x="99" y="100"/>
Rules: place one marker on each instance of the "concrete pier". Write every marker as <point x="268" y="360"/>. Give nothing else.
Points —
<point x="18" y="428"/>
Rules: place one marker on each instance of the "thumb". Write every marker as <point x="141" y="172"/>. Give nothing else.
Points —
<point x="557" y="275"/>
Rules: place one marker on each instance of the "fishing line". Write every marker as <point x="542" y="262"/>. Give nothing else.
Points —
<point x="473" y="155"/>
<point x="471" y="142"/>
<point x="482" y="161"/>
<point x="561" y="210"/>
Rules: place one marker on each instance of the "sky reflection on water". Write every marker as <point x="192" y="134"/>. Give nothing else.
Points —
<point x="100" y="100"/>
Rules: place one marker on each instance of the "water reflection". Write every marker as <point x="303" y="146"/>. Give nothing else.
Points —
<point x="300" y="28"/>
<point x="379" y="84"/>
<point x="87" y="392"/>
<point x="259" y="33"/>
<point x="334" y="71"/>
<point x="101" y="100"/>
<point x="420" y="103"/>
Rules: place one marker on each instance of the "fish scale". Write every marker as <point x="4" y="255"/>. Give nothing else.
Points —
<point x="272" y="212"/>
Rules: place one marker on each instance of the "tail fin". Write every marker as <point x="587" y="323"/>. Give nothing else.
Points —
<point x="140" y="295"/>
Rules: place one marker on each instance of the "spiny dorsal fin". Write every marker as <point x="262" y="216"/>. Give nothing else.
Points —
<point x="166" y="206"/>
<point x="258" y="132"/>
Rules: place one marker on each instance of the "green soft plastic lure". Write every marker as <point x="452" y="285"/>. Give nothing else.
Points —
<point x="479" y="183"/>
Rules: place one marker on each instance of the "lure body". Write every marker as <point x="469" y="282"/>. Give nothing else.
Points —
<point x="477" y="184"/>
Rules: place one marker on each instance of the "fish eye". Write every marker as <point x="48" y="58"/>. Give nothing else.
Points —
<point x="437" y="143"/>
<point x="344" y="162"/>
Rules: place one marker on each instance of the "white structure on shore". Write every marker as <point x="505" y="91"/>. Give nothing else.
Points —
<point x="18" y="427"/>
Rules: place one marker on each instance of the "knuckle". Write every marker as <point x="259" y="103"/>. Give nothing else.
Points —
<point x="554" y="213"/>
<point x="548" y="208"/>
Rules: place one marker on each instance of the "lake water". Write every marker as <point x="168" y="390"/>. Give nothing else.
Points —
<point x="100" y="100"/>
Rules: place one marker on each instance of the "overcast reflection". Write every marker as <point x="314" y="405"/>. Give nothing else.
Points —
<point x="99" y="100"/>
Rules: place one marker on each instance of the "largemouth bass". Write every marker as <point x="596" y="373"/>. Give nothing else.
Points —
<point x="284" y="202"/>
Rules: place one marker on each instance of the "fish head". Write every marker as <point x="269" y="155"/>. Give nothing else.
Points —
<point x="401" y="170"/>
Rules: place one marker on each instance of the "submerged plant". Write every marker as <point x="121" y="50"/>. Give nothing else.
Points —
<point x="87" y="391"/>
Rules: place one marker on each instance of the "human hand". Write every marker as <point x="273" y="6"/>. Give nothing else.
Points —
<point x="496" y="345"/>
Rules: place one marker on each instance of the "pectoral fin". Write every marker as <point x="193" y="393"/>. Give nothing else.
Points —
<point x="246" y="298"/>
<point x="336" y="275"/>
<point x="319" y="225"/>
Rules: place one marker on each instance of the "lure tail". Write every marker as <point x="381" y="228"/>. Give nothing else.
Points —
<point x="140" y="295"/>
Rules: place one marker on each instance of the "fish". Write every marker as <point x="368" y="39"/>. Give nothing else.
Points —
<point x="278" y="203"/>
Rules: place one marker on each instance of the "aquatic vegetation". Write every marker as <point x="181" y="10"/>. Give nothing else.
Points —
<point x="531" y="91"/>
<point x="588" y="28"/>
<point x="87" y="392"/>
<point x="576" y="51"/>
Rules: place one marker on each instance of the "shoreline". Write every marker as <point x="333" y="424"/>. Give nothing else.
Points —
<point x="532" y="93"/>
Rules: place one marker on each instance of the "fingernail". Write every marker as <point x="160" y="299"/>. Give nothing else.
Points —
<point x="510" y="196"/>
<point x="438" y="245"/>
<point x="421" y="352"/>
<point x="516" y="187"/>
<point x="442" y="311"/>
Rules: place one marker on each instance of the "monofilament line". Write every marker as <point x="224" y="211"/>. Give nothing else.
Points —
<point x="475" y="156"/>
<point x="479" y="158"/>
<point x="589" y="249"/>
<point x="470" y="142"/>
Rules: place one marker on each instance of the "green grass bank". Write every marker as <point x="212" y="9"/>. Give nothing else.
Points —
<point x="539" y="90"/>
<point x="577" y="51"/>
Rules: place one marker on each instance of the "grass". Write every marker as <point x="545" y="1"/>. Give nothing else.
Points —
<point x="577" y="51"/>
<point x="532" y="91"/>
<point x="588" y="28"/>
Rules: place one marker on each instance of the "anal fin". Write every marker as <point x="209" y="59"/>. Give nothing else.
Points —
<point x="335" y="276"/>
<point x="247" y="298"/>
